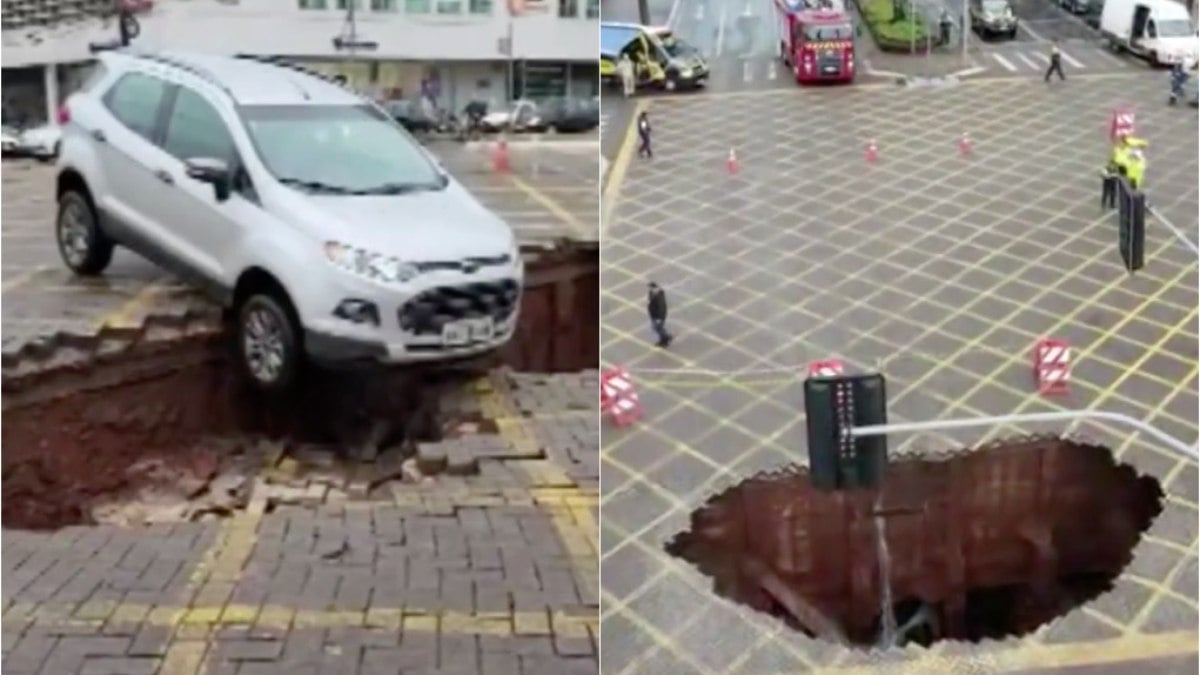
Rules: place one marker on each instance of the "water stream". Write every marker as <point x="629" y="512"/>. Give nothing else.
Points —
<point x="887" y="633"/>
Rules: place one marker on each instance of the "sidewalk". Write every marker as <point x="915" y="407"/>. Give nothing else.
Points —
<point x="488" y="566"/>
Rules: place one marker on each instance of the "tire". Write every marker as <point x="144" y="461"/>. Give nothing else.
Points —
<point x="1153" y="58"/>
<point x="82" y="245"/>
<point x="268" y="346"/>
<point x="1012" y="35"/>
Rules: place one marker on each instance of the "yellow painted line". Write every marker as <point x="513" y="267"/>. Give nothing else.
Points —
<point x="1029" y="656"/>
<point x="565" y="503"/>
<point x="122" y="317"/>
<point x="569" y="219"/>
<point x="281" y="618"/>
<point x="616" y="173"/>
<point x="22" y="279"/>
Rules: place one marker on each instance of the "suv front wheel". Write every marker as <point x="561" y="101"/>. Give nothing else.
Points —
<point x="82" y="245"/>
<point x="267" y="344"/>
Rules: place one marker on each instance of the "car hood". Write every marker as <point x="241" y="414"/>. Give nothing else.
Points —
<point x="419" y="227"/>
<point x="41" y="134"/>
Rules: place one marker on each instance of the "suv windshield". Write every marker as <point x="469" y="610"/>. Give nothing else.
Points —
<point x="338" y="148"/>
<point x="995" y="6"/>
<point x="826" y="33"/>
<point x="1175" y="28"/>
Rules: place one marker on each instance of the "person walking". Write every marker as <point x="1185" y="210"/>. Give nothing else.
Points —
<point x="656" y="307"/>
<point x="945" y="24"/>
<point x="625" y="71"/>
<point x="1055" y="63"/>
<point x="643" y="127"/>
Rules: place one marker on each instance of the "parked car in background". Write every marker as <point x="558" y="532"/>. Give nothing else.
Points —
<point x="523" y="115"/>
<point x="10" y="139"/>
<point x="40" y="142"/>
<point x="993" y="17"/>
<point x="569" y="115"/>
<point x="411" y="115"/>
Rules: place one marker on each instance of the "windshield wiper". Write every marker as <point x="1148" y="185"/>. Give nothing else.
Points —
<point x="317" y="186"/>
<point x="406" y="188"/>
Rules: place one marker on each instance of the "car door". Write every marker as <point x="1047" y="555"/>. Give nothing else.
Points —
<point x="209" y="229"/>
<point x="125" y="144"/>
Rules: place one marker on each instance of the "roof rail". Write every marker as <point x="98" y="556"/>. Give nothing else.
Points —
<point x="198" y="71"/>
<point x="290" y="65"/>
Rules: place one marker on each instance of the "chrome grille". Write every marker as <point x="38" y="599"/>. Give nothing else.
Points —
<point x="429" y="312"/>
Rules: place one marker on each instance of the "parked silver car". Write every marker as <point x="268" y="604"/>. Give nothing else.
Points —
<point x="305" y="209"/>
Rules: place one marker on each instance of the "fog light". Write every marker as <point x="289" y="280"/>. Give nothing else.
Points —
<point x="357" y="311"/>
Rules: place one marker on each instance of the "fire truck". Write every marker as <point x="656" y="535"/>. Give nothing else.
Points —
<point x="816" y="41"/>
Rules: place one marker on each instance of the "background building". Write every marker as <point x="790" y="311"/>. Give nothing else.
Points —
<point x="452" y="50"/>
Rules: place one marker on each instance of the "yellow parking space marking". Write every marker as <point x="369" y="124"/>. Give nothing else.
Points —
<point x="616" y="175"/>
<point x="580" y="230"/>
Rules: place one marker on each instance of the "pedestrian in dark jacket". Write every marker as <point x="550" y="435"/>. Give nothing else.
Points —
<point x="656" y="307"/>
<point x="1055" y="63"/>
<point x="643" y="125"/>
<point x="1108" y="195"/>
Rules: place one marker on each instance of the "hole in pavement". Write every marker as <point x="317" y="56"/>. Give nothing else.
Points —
<point x="153" y="426"/>
<point x="982" y="544"/>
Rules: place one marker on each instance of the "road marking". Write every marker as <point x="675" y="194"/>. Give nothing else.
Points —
<point x="699" y="13"/>
<point x="1005" y="62"/>
<point x="1131" y="649"/>
<point x="771" y="70"/>
<point x="1024" y="25"/>
<point x="569" y="219"/>
<point x="123" y="316"/>
<point x="674" y="14"/>
<point x="1028" y="62"/>
<point x="1071" y="60"/>
<point x="22" y="279"/>
<point x="747" y="76"/>
<point x="616" y="175"/>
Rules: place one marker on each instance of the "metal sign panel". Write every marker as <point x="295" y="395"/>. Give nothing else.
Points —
<point x="834" y="406"/>
<point x="1131" y="226"/>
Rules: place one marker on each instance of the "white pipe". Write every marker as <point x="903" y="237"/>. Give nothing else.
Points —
<point x="1064" y="416"/>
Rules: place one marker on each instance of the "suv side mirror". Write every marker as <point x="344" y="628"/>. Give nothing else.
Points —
<point x="213" y="171"/>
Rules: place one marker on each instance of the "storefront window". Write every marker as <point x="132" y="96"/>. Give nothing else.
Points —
<point x="314" y="4"/>
<point x="449" y="6"/>
<point x="480" y="6"/>
<point x="345" y="4"/>
<point x="383" y="5"/>
<point x="568" y="8"/>
<point x="417" y="6"/>
<point x="593" y="9"/>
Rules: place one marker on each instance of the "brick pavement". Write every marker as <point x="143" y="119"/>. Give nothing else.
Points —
<point x="488" y="566"/>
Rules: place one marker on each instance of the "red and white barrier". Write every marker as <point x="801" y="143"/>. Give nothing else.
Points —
<point x="618" y="396"/>
<point x="1052" y="366"/>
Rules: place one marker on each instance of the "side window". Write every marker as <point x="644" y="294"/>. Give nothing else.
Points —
<point x="195" y="129"/>
<point x="1150" y="31"/>
<point x="134" y="100"/>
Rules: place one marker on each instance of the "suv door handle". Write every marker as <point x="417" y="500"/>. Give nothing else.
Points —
<point x="164" y="176"/>
<point x="99" y="135"/>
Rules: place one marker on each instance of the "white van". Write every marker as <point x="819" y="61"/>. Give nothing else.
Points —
<point x="1161" y="31"/>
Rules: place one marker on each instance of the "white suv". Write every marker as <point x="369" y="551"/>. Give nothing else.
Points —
<point x="324" y="227"/>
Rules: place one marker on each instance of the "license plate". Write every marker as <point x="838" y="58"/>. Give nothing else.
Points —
<point x="459" y="333"/>
<point x="829" y="70"/>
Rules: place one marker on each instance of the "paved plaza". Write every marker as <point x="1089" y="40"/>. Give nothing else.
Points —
<point x="486" y="565"/>
<point x="938" y="270"/>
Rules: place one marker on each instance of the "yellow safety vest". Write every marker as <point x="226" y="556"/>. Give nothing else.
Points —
<point x="1135" y="169"/>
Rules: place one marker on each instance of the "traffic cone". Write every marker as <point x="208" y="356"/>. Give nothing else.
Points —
<point x="872" y="151"/>
<point x="964" y="145"/>
<point x="731" y="162"/>
<point x="500" y="161"/>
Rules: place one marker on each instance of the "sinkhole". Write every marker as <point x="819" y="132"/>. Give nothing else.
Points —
<point x="157" y="415"/>
<point x="980" y="544"/>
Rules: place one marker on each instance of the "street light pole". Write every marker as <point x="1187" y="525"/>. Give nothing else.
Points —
<point x="964" y="32"/>
<point x="644" y="11"/>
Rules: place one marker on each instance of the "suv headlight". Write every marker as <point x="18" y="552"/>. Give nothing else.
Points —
<point x="371" y="265"/>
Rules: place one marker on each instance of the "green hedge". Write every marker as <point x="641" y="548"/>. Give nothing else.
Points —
<point x="889" y="35"/>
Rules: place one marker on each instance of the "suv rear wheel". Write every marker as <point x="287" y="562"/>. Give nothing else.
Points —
<point x="267" y="344"/>
<point x="82" y="245"/>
